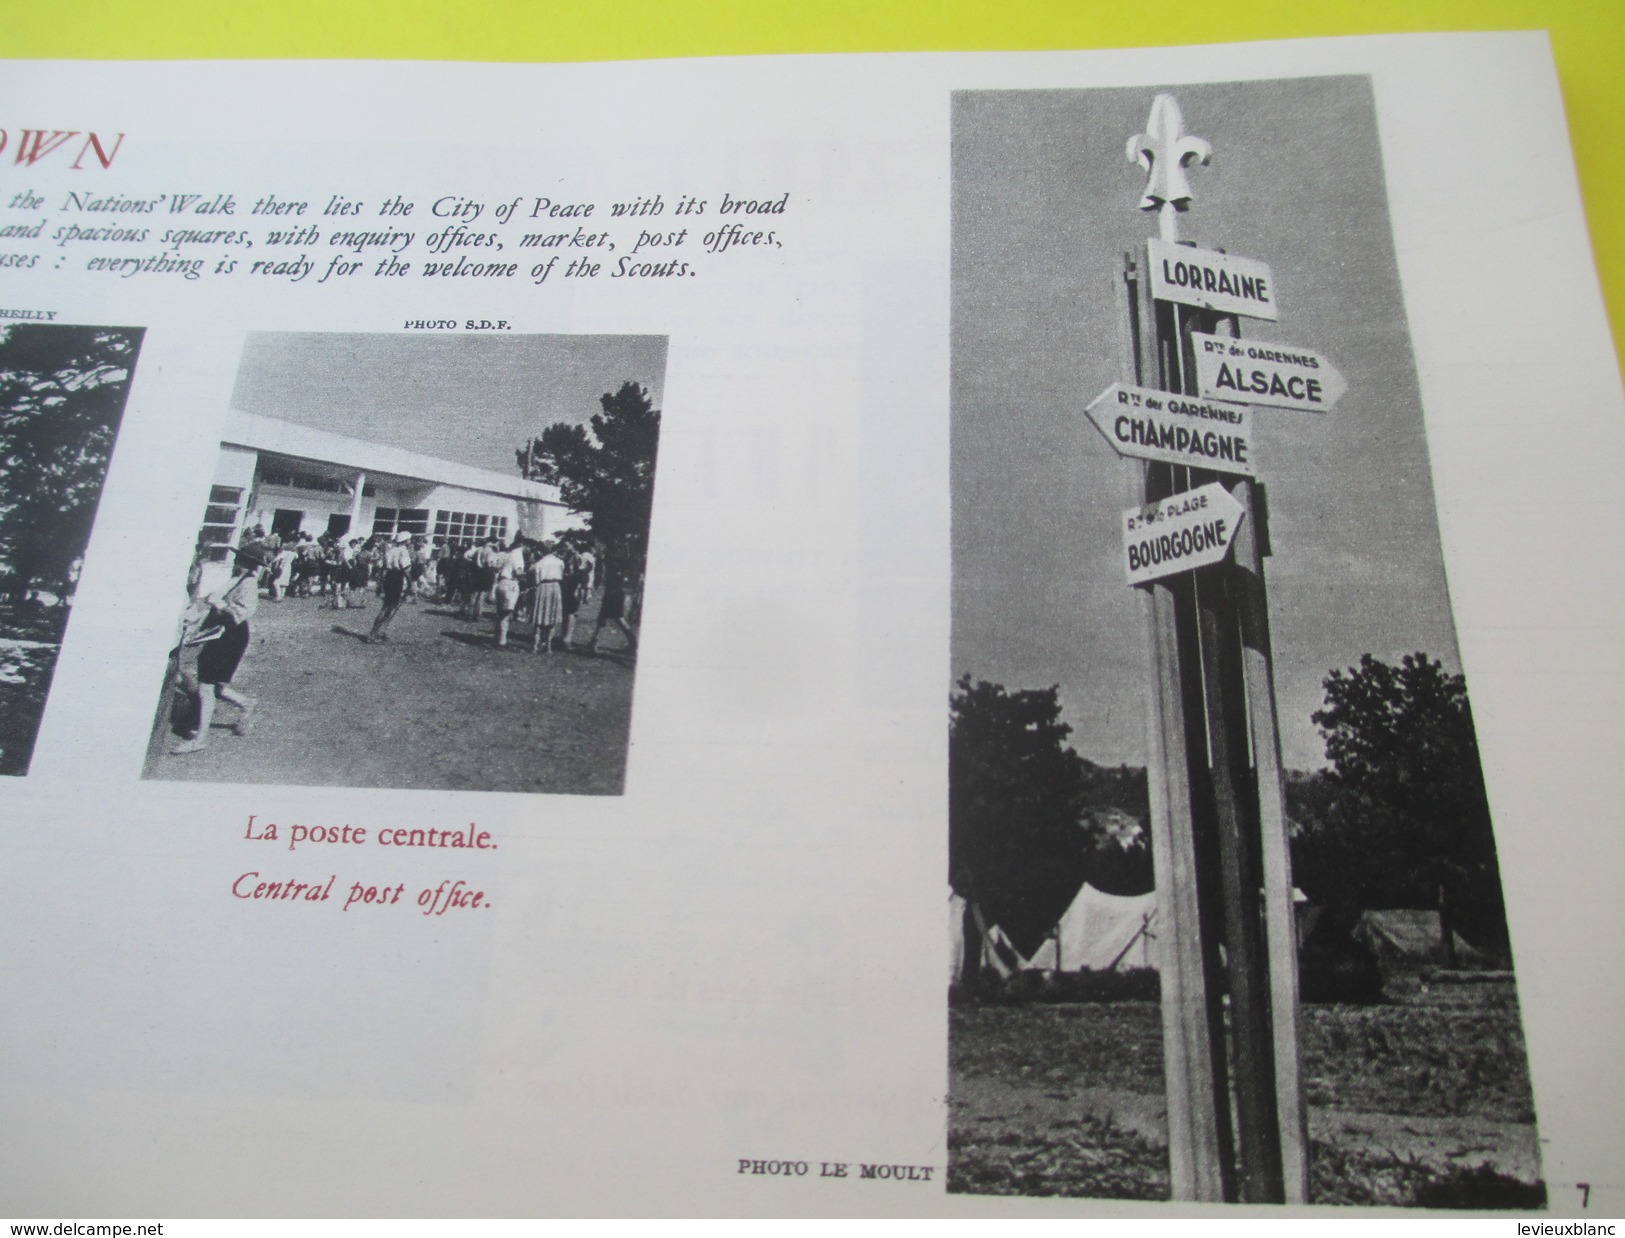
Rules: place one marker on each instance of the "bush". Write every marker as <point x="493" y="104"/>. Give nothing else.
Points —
<point x="1136" y="984"/>
<point x="1480" y="1188"/>
<point x="1345" y="972"/>
<point x="1132" y="984"/>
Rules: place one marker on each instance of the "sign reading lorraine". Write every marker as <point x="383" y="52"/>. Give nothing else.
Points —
<point x="1278" y="375"/>
<point x="1184" y="531"/>
<point x="1176" y="429"/>
<point x="1211" y="280"/>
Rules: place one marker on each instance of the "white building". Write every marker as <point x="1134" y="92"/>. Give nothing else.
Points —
<point x="290" y="479"/>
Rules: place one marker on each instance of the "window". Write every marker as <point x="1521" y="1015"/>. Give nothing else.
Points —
<point x="465" y="528"/>
<point x="290" y="479"/>
<point x="394" y="520"/>
<point x="220" y="521"/>
<point x="286" y="523"/>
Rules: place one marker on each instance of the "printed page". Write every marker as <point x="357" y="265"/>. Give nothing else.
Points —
<point x="487" y="550"/>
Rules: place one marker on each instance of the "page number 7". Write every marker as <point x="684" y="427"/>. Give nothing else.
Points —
<point x="1585" y="1193"/>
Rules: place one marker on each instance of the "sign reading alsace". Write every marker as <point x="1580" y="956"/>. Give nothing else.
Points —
<point x="1187" y="530"/>
<point x="1278" y="375"/>
<point x="1176" y="429"/>
<point x="1211" y="280"/>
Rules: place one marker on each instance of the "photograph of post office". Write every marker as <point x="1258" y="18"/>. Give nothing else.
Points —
<point x="62" y="394"/>
<point x="1225" y="905"/>
<point x="420" y="564"/>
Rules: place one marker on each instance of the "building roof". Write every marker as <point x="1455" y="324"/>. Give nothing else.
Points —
<point x="380" y="460"/>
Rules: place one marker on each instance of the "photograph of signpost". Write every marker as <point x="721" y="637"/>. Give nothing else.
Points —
<point x="1225" y="909"/>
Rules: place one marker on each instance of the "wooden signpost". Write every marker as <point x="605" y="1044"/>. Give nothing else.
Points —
<point x="1187" y="530"/>
<point x="1211" y="280"/>
<point x="1153" y="425"/>
<point x="1277" y="375"/>
<point x="1195" y="545"/>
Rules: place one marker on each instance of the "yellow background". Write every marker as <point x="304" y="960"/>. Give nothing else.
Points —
<point x="1588" y="39"/>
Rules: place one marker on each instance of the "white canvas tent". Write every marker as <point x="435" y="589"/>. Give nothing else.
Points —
<point x="1102" y="932"/>
<point x="1402" y="935"/>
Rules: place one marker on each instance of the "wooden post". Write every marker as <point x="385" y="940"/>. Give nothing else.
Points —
<point x="1257" y="1139"/>
<point x="1268" y="830"/>
<point x="1280" y="916"/>
<point x="1219" y="840"/>
<point x="1234" y="821"/>
<point x="1197" y="1164"/>
<point x="1206" y="879"/>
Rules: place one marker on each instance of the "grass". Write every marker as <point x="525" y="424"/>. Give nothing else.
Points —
<point x="1093" y="1158"/>
<point x="1443" y="1050"/>
<point x="1086" y="1156"/>
<point x="1109" y="1046"/>
<point x="1422" y="1060"/>
<point x="1444" y="1059"/>
<point x="438" y="706"/>
<point x="1342" y="1176"/>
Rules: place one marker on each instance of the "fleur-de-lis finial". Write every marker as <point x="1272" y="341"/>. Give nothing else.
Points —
<point x="1165" y="150"/>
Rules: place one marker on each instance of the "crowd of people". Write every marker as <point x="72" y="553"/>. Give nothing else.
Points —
<point x="542" y="584"/>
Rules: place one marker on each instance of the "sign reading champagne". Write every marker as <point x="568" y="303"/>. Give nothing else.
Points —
<point x="1177" y="429"/>
<point x="1187" y="530"/>
<point x="1211" y="280"/>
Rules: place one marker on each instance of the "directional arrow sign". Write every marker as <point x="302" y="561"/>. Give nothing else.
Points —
<point x="1211" y="280"/>
<point x="1177" y="429"/>
<point x="1278" y="375"/>
<point x="1181" y="532"/>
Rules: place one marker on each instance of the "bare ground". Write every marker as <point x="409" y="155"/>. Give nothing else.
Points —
<point x="439" y="706"/>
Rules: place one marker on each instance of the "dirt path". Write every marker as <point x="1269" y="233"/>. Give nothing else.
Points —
<point x="439" y="706"/>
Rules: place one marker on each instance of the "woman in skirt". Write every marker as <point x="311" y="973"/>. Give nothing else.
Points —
<point x="547" y="575"/>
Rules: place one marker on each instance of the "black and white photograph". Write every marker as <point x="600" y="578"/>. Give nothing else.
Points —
<point x="420" y="564"/>
<point x="62" y="394"/>
<point x="1225" y="908"/>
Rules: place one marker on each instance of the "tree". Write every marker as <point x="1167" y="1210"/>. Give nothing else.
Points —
<point x="1117" y="806"/>
<point x="1016" y="795"/>
<point x="1404" y="812"/>
<point x="62" y="391"/>
<point x="608" y="474"/>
